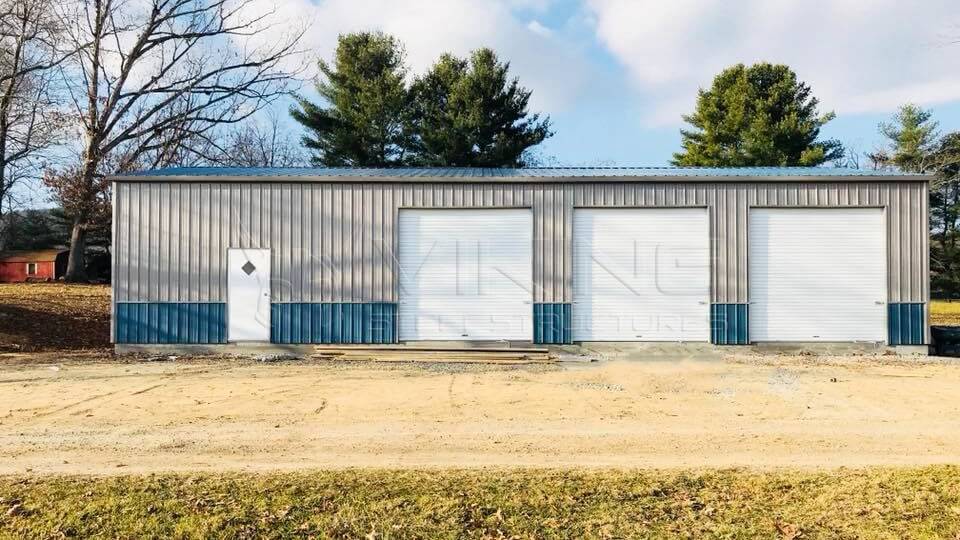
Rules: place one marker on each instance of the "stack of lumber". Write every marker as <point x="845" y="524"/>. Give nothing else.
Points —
<point x="401" y="353"/>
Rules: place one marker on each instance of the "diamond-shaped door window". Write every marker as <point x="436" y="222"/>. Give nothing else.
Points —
<point x="248" y="268"/>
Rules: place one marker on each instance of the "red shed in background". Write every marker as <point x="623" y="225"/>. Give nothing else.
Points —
<point x="35" y="265"/>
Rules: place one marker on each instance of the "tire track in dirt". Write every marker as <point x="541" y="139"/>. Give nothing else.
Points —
<point x="74" y="404"/>
<point x="453" y="403"/>
<point x="147" y="389"/>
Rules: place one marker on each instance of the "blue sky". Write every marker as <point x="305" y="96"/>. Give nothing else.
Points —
<point x="615" y="75"/>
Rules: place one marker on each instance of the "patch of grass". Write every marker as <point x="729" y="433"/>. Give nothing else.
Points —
<point x="889" y="503"/>
<point x="944" y="313"/>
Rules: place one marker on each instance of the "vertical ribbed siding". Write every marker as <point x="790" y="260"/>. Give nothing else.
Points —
<point x="300" y="322"/>
<point x="552" y="219"/>
<point x="170" y="322"/>
<point x="906" y="324"/>
<point x="115" y="266"/>
<point x="730" y="324"/>
<point x="552" y="323"/>
<point x="334" y="242"/>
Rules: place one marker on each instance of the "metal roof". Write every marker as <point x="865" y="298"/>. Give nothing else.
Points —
<point x="31" y="255"/>
<point x="347" y="174"/>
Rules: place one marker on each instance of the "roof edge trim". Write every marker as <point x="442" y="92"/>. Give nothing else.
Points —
<point x="674" y="179"/>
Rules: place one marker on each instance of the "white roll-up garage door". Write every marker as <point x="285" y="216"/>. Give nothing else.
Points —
<point x="641" y="274"/>
<point x="817" y="274"/>
<point x="465" y="274"/>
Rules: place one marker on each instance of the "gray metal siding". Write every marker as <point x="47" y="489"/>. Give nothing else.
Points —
<point x="334" y="242"/>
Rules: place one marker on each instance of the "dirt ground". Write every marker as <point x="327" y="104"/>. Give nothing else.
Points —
<point x="67" y="405"/>
<point x="81" y="417"/>
<point x="54" y="317"/>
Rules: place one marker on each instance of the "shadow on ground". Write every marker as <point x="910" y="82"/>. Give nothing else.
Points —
<point x="53" y="317"/>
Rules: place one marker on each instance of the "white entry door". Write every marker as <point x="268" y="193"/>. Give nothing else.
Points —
<point x="248" y="294"/>
<point x="466" y="274"/>
<point x="817" y="274"/>
<point x="641" y="274"/>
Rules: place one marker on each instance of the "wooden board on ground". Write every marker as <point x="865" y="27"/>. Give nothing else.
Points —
<point x="425" y="354"/>
<point x="394" y="347"/>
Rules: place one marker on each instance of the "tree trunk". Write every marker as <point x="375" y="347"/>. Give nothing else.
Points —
<point x="4" y="215"/>
<point x="77" y="263"/>
<point x="4" y="239"/>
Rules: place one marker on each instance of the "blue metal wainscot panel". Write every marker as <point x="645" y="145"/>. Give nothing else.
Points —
<point x="729" y="324"/>
<point x="171" y="322"/>
<point x="333" y="322"/>
<point x="552" y="324"/>
<point x="906" y="324"/>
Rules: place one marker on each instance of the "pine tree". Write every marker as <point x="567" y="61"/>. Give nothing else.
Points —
<point x="471" y="113"/>
<point x="912" y="135"/>
<point x="756" y="116"/>
<point x="362" y="120"/>
<point x="944" y="214"/>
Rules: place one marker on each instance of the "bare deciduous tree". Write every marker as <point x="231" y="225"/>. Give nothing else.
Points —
<point x="851" y="156"/>
<point x="30" y="122"/>
<point x="153" y="74"/>
<point x="261" y="143"/>
<point x="186" y="141"/>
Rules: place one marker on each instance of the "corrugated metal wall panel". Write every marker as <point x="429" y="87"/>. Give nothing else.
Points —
<point x="729" y="324"/>
<point x="906" y="323"/>
<point x="552" y="324"/>
<point x="121" y="257"/>
<point x="170" y="322"/>
<point x="303" y="322"/>
<point x="334" y="242"/>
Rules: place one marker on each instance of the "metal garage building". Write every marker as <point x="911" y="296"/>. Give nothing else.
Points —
<point x="555" y="256"/>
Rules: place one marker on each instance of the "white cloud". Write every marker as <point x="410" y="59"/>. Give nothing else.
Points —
<point x="553" y="68"/>
<point x="858" y="56"/>
<point x="539" y="29"/>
